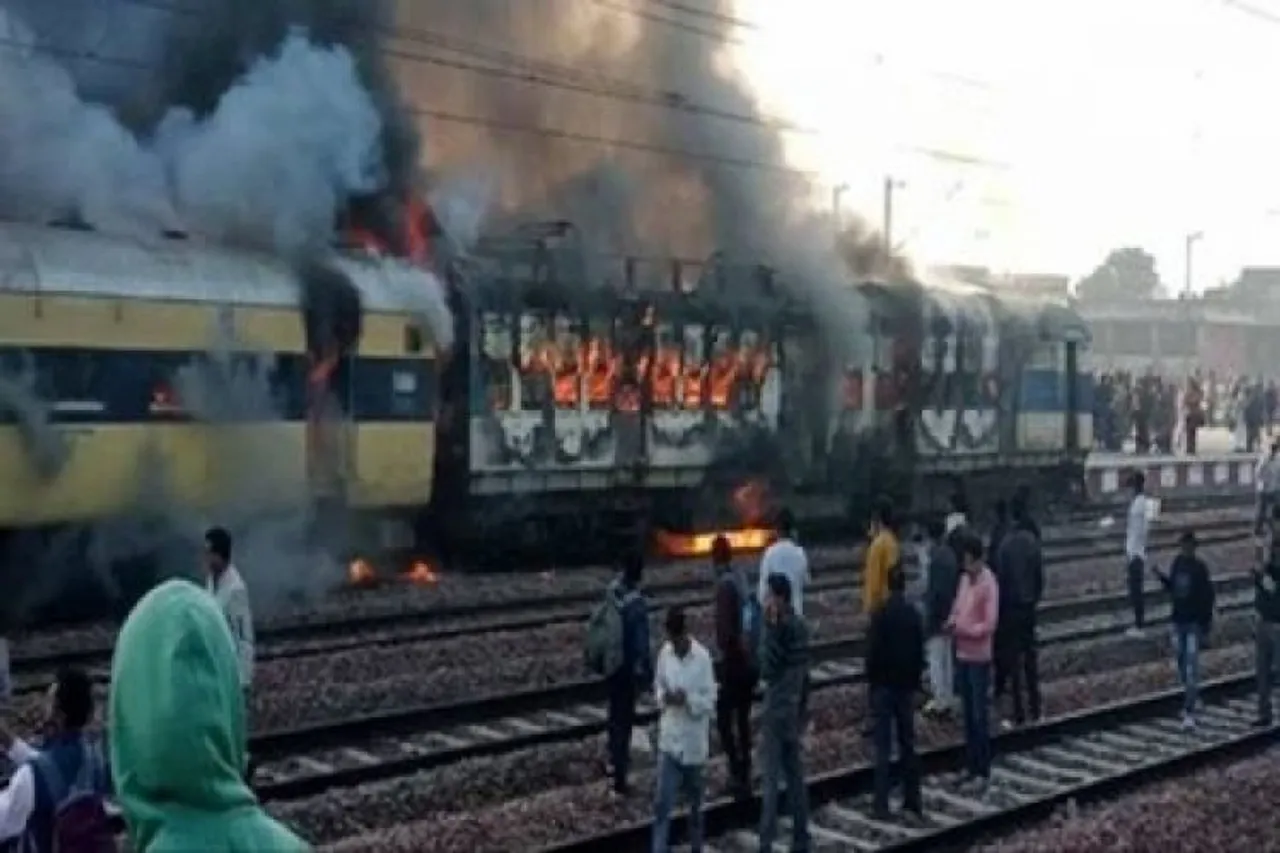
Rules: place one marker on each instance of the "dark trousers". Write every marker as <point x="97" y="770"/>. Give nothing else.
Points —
<point x="733" y="720"/>
<point x="1266" y="500"/>
<point x="622" y="719"/>
<point x="1192" y="425"/>
<point x="782" y="761"/>
<point x="1137" y="600"/>
<point x="894" y="713"/>
<point x="1002" y="654"/>
<point x="1266" y="659"/>
<point x="975" y="682"/>
<point x="1021" y="662"/>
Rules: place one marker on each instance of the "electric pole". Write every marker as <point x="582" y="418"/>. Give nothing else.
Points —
<point x="1192" y="239"/>
<point x="890" y="184"/>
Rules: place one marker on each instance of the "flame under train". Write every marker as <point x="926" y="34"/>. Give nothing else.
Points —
<point x="584" y="400"/>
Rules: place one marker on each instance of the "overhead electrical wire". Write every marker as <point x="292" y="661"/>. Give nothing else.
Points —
<point x="480" y="121"/>
<point x="670" y="100"/>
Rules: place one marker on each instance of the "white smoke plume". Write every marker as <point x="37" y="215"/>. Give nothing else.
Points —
<point x="272" y="166"/>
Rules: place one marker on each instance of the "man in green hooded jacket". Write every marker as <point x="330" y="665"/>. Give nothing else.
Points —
<point x="177" y="727"/>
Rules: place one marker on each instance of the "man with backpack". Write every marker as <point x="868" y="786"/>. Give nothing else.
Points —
<point x="738" y="619"/>
<point x="618" y="650"/>
<point x="56" y="800"/>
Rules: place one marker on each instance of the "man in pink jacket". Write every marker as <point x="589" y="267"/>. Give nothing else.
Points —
<point x="973" y="624"/>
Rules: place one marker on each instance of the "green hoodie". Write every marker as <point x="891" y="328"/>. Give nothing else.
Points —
<point x="177" y="729"/>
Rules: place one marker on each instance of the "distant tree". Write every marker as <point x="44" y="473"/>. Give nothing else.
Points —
<point x="1127" y="275"/>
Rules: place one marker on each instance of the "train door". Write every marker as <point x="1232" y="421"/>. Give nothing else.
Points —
<point x="1072" y="378"/>
<point x="633" y="342"/>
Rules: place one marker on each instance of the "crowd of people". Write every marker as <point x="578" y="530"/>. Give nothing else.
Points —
<point x="963" y="631"/>
<point x="1157" y="414"/>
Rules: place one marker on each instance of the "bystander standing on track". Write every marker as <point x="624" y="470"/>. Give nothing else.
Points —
<point x="1192" y="595"/>
<point x="178" y="731"/>
<point x="1267" y="479"/>
<point x="738" y="620"/>
<point x="634" y="667"/>
<point x="1020" y="576"/>
<point x="883" y="554"/>
<point x="784" y="668"/>
<point x="785" y="557"/>
<point x="684" y="687"/>
<point x="56" y="799"/>
<point x="973" y="624"/>
<point x="1266" y="576"/>
<point x="895" y="656"/>
<point x="1135" y="550"/>
<point x="227" y="586"/>
<point x="944" y="578"/>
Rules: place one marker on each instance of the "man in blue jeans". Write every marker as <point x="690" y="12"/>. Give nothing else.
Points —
<point x="974" y="618"/>
<point x="1191" y="590"/>
<point x="784" y="669"/>
<point x="684" y="686"/>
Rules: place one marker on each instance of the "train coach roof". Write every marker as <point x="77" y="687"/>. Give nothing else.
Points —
<point x="56" y="260"/>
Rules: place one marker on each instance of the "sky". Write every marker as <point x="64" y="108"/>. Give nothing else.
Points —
<point x="1093" y="124"/>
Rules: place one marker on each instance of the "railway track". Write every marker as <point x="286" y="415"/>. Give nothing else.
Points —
<point x="31" y="671"/>
<point x="305" y="761"/>
<point x="1080" y="757"/>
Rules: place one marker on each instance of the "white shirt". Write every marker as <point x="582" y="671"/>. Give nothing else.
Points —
<point x="18" y="800"/>
<point x="954" y="520"/>
<point x="233" y="597"/>
<point x="1135" y="536"/>
<point x="785" y="557"/>
<point x="684" y="730"/>
<point x="1267" y="476"/>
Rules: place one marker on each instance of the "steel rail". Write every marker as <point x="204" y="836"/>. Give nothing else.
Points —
<point x="307" y="760"/>
<point x="32" y="671"/>
<point x="1085" y="756"/>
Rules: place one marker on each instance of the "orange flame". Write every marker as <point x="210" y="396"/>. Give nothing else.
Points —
<point x="594" y="371"/>
<point x="360" y="573"/>
<point x="683" y="546"/>
<point x="421" y="573"/>
<point x="749" y="500"/>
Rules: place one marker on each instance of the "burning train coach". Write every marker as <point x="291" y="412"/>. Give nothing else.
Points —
<point x="605" y="400"/>
<point x="585" y="401"/>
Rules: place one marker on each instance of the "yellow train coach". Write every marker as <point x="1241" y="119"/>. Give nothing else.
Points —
<point x="161" y="374"/>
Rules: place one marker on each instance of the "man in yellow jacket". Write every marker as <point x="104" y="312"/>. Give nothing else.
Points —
<point x="882" y="555"/>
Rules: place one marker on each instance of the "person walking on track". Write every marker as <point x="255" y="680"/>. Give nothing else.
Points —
<point x="1135" y="550"/>
<point x="684" y="687"/>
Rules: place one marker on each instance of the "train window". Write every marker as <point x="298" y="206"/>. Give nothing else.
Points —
<point x="567" y="353"/>
<point x="665" y="372"/>
<point x="600" y="363"/>
<point x="496" y="367"/>
<point x="71" y="382"/>
<point x="693" y="374"/>
<point x="537" y="361"/>
<point x="413" y="343"/>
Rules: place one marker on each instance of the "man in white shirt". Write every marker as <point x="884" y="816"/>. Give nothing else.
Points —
<point x="1135" y="549"/>
<point x="227" y="587"/>
<point x="785" y="557"/>
<point x="684" y="686"/>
